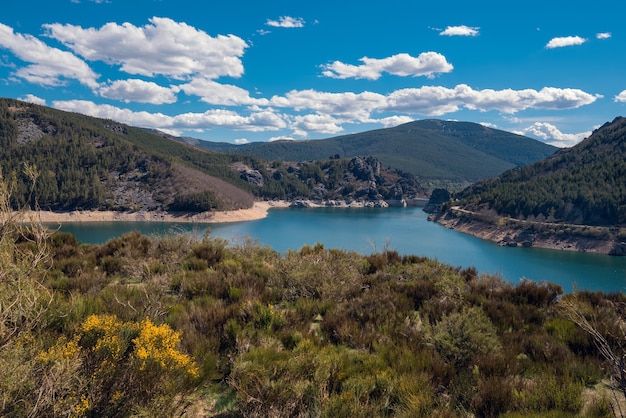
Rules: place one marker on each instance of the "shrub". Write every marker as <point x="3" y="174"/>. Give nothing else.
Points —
<point x="112" y="367"/>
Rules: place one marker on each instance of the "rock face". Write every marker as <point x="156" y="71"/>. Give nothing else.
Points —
<point x="365" y="168"/>
<point x="359" y="179"/>
<point x="437" y="198"/>
<point x="253" y="177"/>
<point x="618" y="249"/>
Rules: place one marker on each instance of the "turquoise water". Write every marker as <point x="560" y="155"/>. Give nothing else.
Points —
<point x="405" y="230"/>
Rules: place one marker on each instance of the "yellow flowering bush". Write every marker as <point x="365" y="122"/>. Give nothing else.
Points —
<point x="157" y="344"/>
<point x="117" y="366"/>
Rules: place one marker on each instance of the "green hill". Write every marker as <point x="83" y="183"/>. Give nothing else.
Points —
<point x="85" y="163"/>
<point x="583" y="185"/>
<point x="89" y="163"/>
<point x="459" y="152"/>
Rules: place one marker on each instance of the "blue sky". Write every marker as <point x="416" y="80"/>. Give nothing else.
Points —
<point x="244" y="71"/>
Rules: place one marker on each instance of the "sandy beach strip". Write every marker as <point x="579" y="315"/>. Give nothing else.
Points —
<point x="258" y="211"/>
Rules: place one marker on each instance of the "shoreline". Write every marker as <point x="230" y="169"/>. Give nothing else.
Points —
<point x="258" y="210"/>
<point x="513" y="233"/>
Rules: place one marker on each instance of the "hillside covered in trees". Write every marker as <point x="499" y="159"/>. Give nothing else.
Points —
<point x="583" y="185"/>
<point x="83" y="163"/>
<point x="574" y="200"/>
<point x="187" y="326"/>
<point x="439" y="152"/>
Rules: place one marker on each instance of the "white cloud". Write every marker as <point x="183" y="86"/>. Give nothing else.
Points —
<point x="135" y="90"/>
<point x="281" y="138"/>
<point x="565" y="41"/>
<point x="30" y="98"/>
<point x="286" y="22"/>
<point x="437" y="101"/>
<point x="163" y="47"/>
<point x="459" y="31"/>
<point x="426" y="64"/>
<point x="391" y="121"/>
<point x="241" y="141"/>
<point x="621" y="97"/>
<point x="219" y="94"/>
<point x="104" y="111"/>
<point x="550" y="134"/>
<point x="348" y="106"/>
<point x="49" y="66"/>
<point x="324" y="124"/>
<point x="324" y="112"/>
<point x="257" y="121"/>
<point x="603" y="35"/>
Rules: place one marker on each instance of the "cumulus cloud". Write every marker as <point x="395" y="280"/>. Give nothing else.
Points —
<point x="565" y="41"/>
<point x="621" y="97"/>
<point x="241" y="141"/>
<point x="135" y="90"/>
<point x="325" y="112"/>
<point x="104" y="111"/>
<point x="391" y="121"/>
<point x="550" y="134"/>
<point x="603" y="35"/>
<point x="219" y="94"/>
<point x="437" y="101"/>
<point x="426" y="64"/>
<point x="348" y="106"/>
<point x="48" y="66"/>
<point x="31" y="98"/>
<point x="325" y="124"/>
<point x="281" y="138"/>
<point x="459" y="31"/>
<point x="162" y="47"/>
<point x="286" y="22"/>
<point x="256" y="121"/>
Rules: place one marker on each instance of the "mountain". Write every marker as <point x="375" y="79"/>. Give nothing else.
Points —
<point x="459" y="152"/>
<point x="87" y="163"/>
<point x="572" y="200"/>
<point x="84" y="163"/>
<point x="585" y="184"/>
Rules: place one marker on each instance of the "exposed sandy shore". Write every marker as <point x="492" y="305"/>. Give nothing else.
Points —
<point x="520" y="234"/>
<point x="257" y="211"/>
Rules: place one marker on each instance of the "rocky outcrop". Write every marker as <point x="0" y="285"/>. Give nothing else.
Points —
<point x="306" y="203"/>
<point x="618" y="249"/>
<point x="437" y="198"/>
<point x="365" y="168"/>
<point x="253" y="177"/>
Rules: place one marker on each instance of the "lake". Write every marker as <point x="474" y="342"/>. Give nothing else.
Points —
<point x="405" y="230"/>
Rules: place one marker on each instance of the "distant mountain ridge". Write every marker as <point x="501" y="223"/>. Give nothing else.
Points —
<point x="430" y="149"/>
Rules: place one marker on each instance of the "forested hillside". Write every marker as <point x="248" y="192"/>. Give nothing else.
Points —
<point x="437" y="151"/>
<point x="67" y="161"/>
<point x="583" y="185"/>
<point x="87" y="163"/>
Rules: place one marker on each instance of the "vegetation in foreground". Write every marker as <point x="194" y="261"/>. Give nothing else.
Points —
<point x="178" y="325"/>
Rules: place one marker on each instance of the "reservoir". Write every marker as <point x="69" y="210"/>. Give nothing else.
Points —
<point x="405" y="230"/>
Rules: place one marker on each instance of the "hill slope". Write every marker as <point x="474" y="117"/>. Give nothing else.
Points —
<point x="89" y="163"/>
<point x="573" y="200"/>
<point x="85" y="163"/>
<point x="585" y="184"/>
<point x="431" y="149"/>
